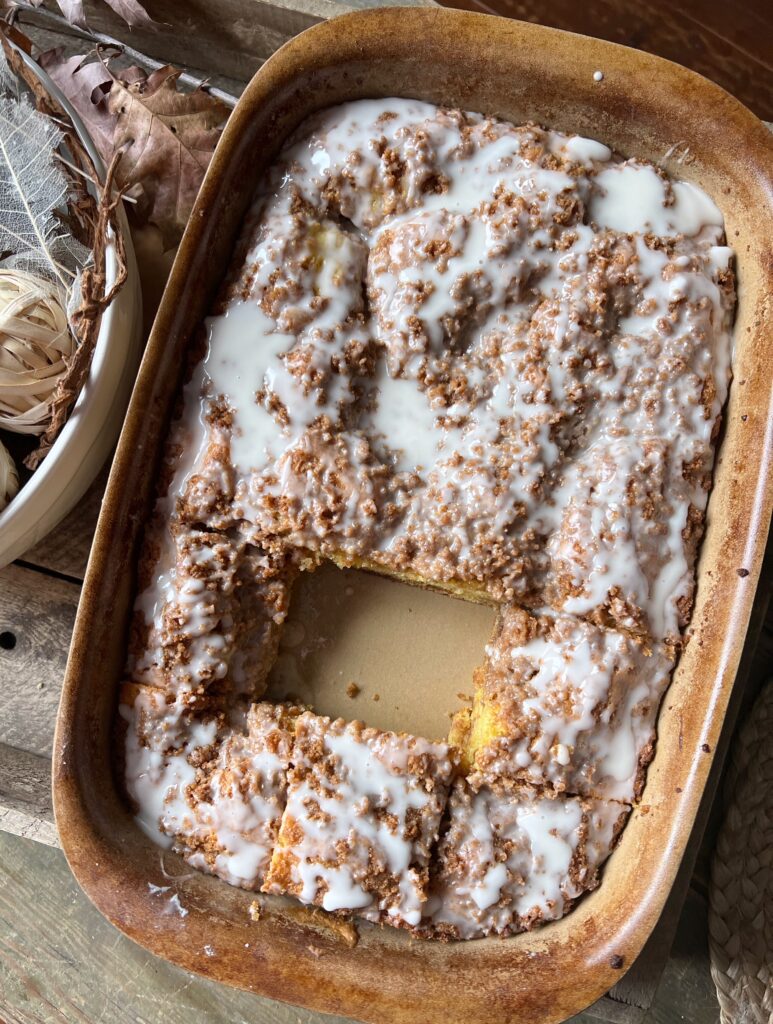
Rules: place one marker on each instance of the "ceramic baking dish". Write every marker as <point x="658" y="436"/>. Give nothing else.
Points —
<point x="642" y="106"/>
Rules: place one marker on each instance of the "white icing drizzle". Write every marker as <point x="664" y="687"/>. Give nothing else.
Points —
<point x="585" y="151"/>
<point x="243" y="357"/>
<point x="161" y="741"/>
<point x="527" y="354"/>
<point x="512" y="860"/>
<point x="573" y="708"/>
<point x="238" y="817"/>
<point x="404" y="421"/>
<point x="223" y="814"/>
<point x="360" y="819"/>
<point x="484" y="354"/>
<point x="633" y="198"/>
<point x="174" y="906"/>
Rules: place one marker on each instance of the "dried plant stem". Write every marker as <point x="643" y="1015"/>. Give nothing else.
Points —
<point x="77" y="170"/>
<point x="85" y="319"/>
<point x="41" y="14"/>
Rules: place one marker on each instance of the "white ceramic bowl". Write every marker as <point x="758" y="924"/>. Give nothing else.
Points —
<point x="92" y="428"/>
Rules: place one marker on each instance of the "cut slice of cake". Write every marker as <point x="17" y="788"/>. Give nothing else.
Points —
<point x="510" y="860"/>
<point x="363" y="811"/>
<point x="208" y="619"/>
<point x="166" y="738"/>
<point x="213" y="793"/>
<point x="238" y="799"/>
<point x="563" y="705"/>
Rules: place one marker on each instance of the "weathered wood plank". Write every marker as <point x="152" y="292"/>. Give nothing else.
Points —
<point x="60" y="961"/>
<point x="686" y="991"/>
<point x="25" y="796"/>
<point x="28" y="826"/>
<point x="37" y="612"/>
<point x="25" y="782"/>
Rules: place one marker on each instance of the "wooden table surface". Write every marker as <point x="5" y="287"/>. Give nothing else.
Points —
<point x="60" y="961"/>
<point x="731" y="43"/>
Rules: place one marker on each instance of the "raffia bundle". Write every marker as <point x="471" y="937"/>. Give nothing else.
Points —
<point x="35" y="345"/>
<point x="9" y="477"/>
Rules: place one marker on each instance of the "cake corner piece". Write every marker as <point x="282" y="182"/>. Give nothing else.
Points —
<point x="511" y="859"/>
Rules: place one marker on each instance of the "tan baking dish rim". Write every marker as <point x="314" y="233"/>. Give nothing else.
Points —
<point x="456" y="58"/>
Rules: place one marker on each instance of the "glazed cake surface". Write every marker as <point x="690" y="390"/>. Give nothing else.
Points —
<point x="510" y="860"/>
<point x="362" y="814"/>
<point x="563" y="705"/>
<point x="466" y="354"/>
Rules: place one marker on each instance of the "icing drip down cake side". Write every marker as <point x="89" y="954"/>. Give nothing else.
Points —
<point x="484" y="358"/>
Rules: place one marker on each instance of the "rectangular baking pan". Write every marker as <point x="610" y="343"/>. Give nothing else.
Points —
<point x="643" y="106"/>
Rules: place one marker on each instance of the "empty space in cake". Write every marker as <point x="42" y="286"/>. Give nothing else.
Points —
<point x="396" y="656"/>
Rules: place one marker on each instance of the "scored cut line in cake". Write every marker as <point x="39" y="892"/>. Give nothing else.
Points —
<point x="511" y="860"/>
<point x="212" y="789"/>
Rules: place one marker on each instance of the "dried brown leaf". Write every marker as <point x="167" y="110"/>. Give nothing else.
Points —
<point x="133" y="74"/>
<point x="14" y="33"/>
<point x="73" y="11"/>
<point x="167" y="138"/>
<point x="131" y="11"/>
<point x="85" y="83"/>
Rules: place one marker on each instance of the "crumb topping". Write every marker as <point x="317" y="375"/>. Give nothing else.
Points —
<point x="564" y="706"/>
<point x="483" y="356"/>
<point x="512" y="860"/>
<point x="363" y="810"/>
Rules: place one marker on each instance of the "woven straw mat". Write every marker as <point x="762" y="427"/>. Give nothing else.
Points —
<point x="741" y="893"/>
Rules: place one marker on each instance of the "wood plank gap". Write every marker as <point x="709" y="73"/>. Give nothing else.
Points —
<point x="46" y="571"/>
